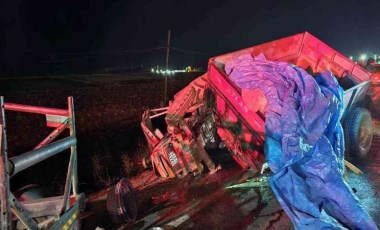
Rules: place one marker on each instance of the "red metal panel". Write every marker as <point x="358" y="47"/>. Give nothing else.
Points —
<point x="308" y="58"/>
<point x="311" y="54"/>
<point x="333" y="67"/>
<point x="327" y="51"/>
<point x="315" y="54"/>
<point x="221" y="84"/>
<point x="35" y="109"/>
<point x="311" y="41"/>
<point x="323" y="64"/>
<point x="326" y="64"/>
<point x="279" y="49"/>
<point x="361" y="74"/>
<point x="343" y="62"/>
<point x="293" y="58"/>
<point x="275" y="50"/>
<point x="221" y="105"/>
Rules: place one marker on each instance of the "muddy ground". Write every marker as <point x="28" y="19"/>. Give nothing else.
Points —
<point x="203" y="202"/>
<point x="108" y="111"/>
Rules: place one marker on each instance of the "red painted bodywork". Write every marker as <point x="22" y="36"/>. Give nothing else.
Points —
<point x="375" y="87"/>
<point x="239" y="116"/>
<point x="303" y="50"/>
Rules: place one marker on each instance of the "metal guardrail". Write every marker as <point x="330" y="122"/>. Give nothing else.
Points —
<point x="33" y="157"/>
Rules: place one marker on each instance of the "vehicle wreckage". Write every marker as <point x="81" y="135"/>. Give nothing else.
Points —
<point x="212" y="110"/>
<point x="280" y="103"/>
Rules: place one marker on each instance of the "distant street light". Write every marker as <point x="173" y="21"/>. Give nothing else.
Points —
<point x="363" y="57"/>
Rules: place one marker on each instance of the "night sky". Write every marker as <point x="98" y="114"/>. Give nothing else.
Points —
<point x="44" y="37"/>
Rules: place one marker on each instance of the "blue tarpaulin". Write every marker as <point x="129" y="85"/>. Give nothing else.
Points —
<point x="304" y="143"/>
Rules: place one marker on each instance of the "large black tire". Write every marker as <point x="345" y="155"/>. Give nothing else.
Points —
<point x="121" y="202"/>
<point x="358" y="133"/>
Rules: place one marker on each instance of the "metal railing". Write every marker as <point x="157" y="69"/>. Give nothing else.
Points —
<point x="60" y="211"/>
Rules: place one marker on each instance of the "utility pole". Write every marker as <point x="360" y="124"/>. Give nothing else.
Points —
<point x="166" y="72"/>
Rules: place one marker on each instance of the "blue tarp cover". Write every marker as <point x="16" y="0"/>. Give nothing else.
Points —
<point x="304" y="143"/>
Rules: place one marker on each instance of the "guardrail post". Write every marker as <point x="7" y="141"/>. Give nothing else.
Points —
<point x="70" y="102"/>
<point x="5" y="215"/>
<point x="72" y="172"/>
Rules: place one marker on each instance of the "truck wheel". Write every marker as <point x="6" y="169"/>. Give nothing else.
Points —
<point x="358" y="133"/>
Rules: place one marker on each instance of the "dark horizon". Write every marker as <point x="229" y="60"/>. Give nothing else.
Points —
<point x="80" y="36"/>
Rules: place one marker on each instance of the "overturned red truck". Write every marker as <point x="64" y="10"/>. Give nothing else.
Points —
<point x="212" y="110"/>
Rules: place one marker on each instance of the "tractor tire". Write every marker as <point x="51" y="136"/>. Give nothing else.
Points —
<point x="358" y="133"/>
